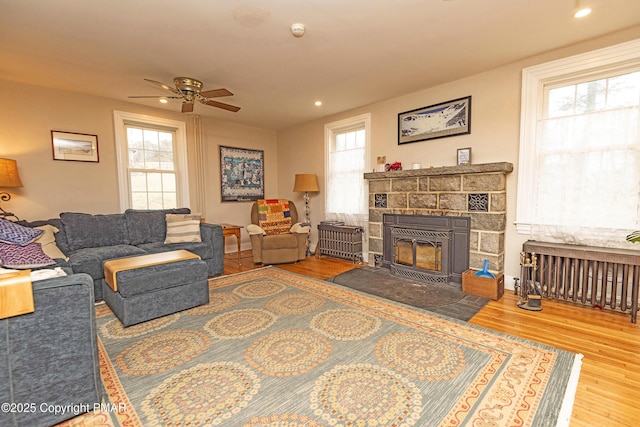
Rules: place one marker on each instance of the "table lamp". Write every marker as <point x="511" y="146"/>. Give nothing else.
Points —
<point x="9" y="178"/>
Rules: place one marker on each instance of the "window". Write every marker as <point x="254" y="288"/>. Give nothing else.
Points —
<point x="152" y="174"/>
<point x="579" y="175"/>
<point x="151" y="162"/>
<point x="346" y="197"/>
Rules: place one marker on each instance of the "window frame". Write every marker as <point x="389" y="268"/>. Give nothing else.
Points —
<point x="122" y="119"/>
<point x="362" y="121"/>
<point x="535" y="81"/>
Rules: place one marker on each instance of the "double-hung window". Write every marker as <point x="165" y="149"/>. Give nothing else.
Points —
<point x="152" y="171"/>
<point x="579" y="176"/>
<point x="346" y="196"/>
<point x="151" y="162"/>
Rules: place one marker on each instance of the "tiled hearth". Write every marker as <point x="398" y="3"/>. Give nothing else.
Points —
<point x="476" y="191"/>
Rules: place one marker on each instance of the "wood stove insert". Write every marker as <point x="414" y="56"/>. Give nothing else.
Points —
<point x="432" y="249"/>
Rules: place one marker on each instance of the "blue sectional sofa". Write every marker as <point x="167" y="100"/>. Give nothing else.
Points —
<point x="48" y="358"/>
<point x="89" y="240"/>
<point x="49" y="368"/>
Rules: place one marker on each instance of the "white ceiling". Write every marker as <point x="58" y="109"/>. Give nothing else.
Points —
<point x="354" y="52"/>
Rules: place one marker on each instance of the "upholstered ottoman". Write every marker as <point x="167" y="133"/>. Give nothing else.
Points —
<point x="145" y="287"/>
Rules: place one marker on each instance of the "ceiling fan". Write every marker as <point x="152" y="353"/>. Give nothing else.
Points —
<point x="190" y="90"/>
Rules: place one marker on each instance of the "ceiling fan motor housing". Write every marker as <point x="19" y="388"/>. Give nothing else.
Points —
<point x="186" y="84"/>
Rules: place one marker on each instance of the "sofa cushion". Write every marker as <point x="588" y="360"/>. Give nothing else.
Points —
<point x="10" y="232"/>
<point x="21" y="257"/>
<point x="90" y="260"/>
<point x="90" y="231"/>
<point x="148" y="226"/>
<point x="202" y="249"/>
<point x="161" y="276"/>
<point x="183" y="228"/>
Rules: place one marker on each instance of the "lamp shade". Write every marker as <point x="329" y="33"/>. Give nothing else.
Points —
<point x="9" y="173"/>
<point x="306" y="182"/>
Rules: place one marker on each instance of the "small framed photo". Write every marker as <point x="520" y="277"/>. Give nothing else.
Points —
<point x="464" y="156"/>
<point x="76" y="147"/>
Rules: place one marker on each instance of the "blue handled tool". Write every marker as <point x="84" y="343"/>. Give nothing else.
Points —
<point x="485" y="272"/>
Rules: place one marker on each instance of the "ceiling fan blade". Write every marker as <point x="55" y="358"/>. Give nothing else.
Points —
<point x="163" y="86"/>
<point x="187" y="107"/>
<point x="156" y="96"/>
<point x="227" y="107"/>
<point x="215" y="93"/>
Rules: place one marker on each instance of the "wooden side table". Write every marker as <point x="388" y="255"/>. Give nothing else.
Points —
<point x="231" y="230"/>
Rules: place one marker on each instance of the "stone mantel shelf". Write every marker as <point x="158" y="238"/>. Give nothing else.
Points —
<point x="504" y="167"/>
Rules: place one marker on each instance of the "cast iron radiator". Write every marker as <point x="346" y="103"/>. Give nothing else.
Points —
<point x="591" y="276"/>
<point x="340" y="241"/>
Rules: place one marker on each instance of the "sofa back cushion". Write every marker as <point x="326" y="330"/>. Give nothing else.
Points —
<point x="90" y="231"/>
<point x="149" y="226"/>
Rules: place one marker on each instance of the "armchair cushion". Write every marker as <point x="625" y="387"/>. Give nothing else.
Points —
<point x="274" y="216"/>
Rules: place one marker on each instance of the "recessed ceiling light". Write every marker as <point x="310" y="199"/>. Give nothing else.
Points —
<point x="164" y="100"/>
<point x="317" y="103"/>
<point x="581" y="11"/>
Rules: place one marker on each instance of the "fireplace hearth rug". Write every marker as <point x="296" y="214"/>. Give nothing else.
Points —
<point x="273" y="348"/>
<point x="445" y="299"/>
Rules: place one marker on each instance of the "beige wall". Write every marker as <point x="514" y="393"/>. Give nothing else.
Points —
<point x="495" y="127"/>
<point x="217" y="133"/>
<point x="29" y="113"/>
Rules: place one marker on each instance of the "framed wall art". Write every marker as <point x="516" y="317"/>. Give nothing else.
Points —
<point x="449" y="118"/>
<point x="76" y="147"/>
<point x="241" y="174"/>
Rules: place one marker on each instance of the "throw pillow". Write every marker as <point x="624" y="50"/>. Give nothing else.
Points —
<point x="48" y="242"/>
<point x="183" y="228"/>
<point x="10" y="232"/>
<point x="21" y="257"/>
<point x="274" y="216"/>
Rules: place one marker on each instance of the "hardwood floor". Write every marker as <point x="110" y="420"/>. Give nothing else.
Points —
<point x="608" y="390"/>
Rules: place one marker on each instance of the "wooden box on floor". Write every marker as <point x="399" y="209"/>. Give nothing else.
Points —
<point x="483" y="286"/>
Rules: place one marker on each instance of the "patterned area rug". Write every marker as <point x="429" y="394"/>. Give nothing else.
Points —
<point x="273" y="348"/>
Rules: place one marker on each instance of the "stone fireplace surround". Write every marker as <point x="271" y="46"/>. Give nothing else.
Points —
<point x="476" y="191"/>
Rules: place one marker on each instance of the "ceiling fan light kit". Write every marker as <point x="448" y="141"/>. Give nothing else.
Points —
<point x="190" y="90"/>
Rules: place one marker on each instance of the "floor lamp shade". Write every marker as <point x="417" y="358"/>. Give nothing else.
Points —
<point x="306" y="183"/>
<point x="9" y="177"/>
